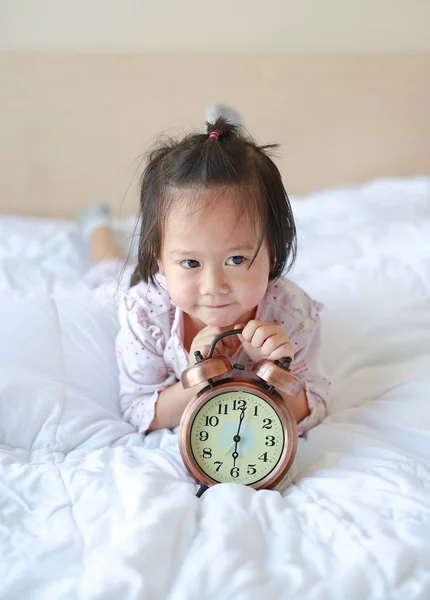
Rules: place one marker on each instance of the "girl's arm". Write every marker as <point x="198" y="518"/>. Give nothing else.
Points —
<point x="316" y="386"/>
<point x="171" y="404"/>
<point x="298" y="406"/>
<point x="143" y="374"/>
<point x="172" y="401"/>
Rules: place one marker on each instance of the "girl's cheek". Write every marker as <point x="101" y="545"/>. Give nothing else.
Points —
<point x="184" y="293"/>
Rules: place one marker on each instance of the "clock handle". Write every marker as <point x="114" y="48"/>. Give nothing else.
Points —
<point x="285" y="363"/>
<point x="219" y="337"/>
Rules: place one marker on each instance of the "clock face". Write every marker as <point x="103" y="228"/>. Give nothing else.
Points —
<point x="237" y="436"/>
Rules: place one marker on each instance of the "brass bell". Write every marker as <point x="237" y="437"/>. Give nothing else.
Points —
<point x="204" y="370"/>
<point x="279" y="376"/>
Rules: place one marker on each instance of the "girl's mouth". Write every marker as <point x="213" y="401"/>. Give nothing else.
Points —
<point x="217" y="307"/>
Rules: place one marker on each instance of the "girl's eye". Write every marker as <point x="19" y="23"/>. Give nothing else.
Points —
<point x="236" y="260"/>
<point x="189" y="263"/>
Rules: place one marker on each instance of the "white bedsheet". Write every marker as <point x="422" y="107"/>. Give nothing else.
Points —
<point x="90" y="510"/>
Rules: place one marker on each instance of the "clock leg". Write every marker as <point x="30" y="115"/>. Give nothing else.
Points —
<point x="202" y="489"/>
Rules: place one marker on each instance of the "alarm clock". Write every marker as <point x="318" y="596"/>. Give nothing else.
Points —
<point x="238" y="428"/>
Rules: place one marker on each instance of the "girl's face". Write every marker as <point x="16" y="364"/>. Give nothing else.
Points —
<point x="206" y="258"/>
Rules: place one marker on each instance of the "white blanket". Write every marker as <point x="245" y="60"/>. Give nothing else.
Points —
<point x="90" y="510"/>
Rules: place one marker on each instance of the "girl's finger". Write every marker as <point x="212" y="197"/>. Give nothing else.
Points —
<point x="262" y="333"/>
<point x="272" y="343"/>
<point x="239" y="335"/>
<point x="250" y="328"/>
<point x="286" y="350"/>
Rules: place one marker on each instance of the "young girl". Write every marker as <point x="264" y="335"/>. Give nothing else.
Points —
<point x="217" y="233"/>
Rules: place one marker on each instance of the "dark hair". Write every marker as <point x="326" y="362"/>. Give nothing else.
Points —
<point x="227" y="158"/>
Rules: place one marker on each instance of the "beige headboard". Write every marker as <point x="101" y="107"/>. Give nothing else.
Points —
<point x="74" y="127"/>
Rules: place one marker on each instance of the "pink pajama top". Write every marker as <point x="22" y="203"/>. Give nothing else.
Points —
<point x="151" y="354"/>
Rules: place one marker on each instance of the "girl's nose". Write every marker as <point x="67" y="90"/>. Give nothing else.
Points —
<point x="214" y="283"/>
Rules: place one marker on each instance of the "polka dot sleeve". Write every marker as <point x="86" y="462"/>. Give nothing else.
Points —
<point x="142" y="370"/>
<point x="307" y="339"/>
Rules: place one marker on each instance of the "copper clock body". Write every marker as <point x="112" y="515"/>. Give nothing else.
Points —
<point x="256" y="392"/>
<point x="254" y="387"/>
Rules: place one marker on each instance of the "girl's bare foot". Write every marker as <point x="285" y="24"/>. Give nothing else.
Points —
<point x="103" y="246"/>
<point x="95" y="226"/>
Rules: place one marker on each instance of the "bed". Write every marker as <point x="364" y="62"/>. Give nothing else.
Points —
<point x="91" y="510"/>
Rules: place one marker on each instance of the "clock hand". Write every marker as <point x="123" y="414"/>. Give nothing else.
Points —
<point x="229" y="448"/>
<point x="236" y="438"/>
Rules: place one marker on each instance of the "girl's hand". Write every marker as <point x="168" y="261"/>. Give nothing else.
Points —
<point x="265" y="340"/>
<point x="203" y="340"/>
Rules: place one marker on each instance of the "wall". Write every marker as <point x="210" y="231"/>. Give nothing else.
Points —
<point x="221" y="25"/>
<point x="86" y="86"/>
